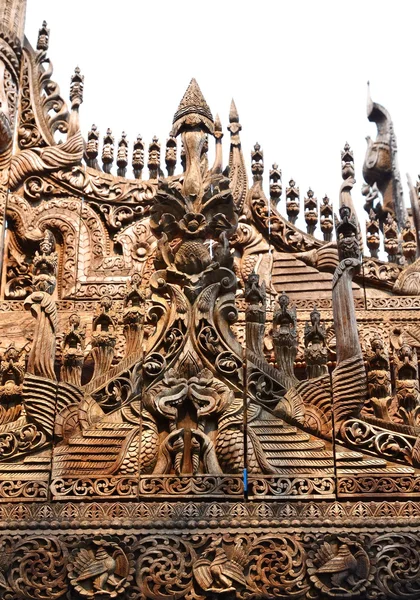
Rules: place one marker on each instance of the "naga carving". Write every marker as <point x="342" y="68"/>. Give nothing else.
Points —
<point x="380" y="166"/>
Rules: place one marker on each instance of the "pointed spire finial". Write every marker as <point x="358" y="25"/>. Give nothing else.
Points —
<point x="43" y="37"/>
<point x="193" y="110"/>
<point x="138" y="157"/>
<point x="233" y="113"/>
<point x="76" y="88"/>
<point x="122" y="155"/>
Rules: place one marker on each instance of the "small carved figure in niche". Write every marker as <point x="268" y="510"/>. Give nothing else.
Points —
<point x="255" y="313"/>
<point x="407" y="384"/>
<point x="133" y="316"/>
<point x="73" y="346"/>
<point x="103" y="337"/>
<point x="99" y="569"/>
<point x="45" y="265"/>
<point x="379" y="378"/>
<point x="216" y="572"/>
<point x="316" y="354"/>
<point x="285" y="340"/>
<point x="12" y="371"/>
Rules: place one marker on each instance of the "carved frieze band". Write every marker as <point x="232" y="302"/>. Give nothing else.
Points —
<point x="199" y="565"/>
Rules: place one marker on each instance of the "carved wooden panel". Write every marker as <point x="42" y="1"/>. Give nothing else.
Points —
<point x="197" y="398"/>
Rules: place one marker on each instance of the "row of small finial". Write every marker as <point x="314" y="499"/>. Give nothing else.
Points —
<point x="395" y="243"/>
<point x="137" y="159"/>
<point x="293" y="205"/>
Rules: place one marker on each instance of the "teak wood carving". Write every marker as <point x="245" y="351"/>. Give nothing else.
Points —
<point x="198" y="399"/>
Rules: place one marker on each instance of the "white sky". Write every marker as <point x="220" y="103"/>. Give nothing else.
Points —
<point x="297" y="71"/>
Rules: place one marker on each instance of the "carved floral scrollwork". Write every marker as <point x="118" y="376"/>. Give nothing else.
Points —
<point x="263" y="388"/>
<point x="392" y="445"/>
<point x="26" y="438"/>
<point x="38" y="569"/>
<point x="164" y="567"/>
<point x="276" y="568"/>
<point x="397" y="565"/>
<point x="118" y="216"/>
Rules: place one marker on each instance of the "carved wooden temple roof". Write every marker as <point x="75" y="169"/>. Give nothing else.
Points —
<point x="200" y="396"/>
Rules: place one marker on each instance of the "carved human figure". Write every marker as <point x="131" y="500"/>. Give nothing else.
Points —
<point x="285" y="340"/>
<point x="391" y="239"/>
<point x="407" y="384"/>
<point x="45" y="265"/>
<point x="326" y="221"/>
<point x="103" y="337"/>
<point x="409" y="243"/>
<point x="255" y="313"/>
<point x="379" y="378"/>
<point x="316" y="354"/>
<point x="133" y="316"/>
<point x="73" y="346"/>
<point x="42" y="354"/>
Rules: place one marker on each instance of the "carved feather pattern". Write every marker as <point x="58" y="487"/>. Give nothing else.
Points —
<point x="349" y="388"/>
<point x="230" y="438"/>
<point x="149" y="445"/>
<point x="39" y="396"/>
<point x="48" y="159"/>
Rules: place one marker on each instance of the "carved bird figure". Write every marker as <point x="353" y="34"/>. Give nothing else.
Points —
<point x="215" y="572"/>
<point x="104" y="570"/>
<point x="342" y="566"/>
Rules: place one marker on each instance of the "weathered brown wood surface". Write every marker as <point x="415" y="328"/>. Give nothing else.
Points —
<point x="198" y="399"/>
